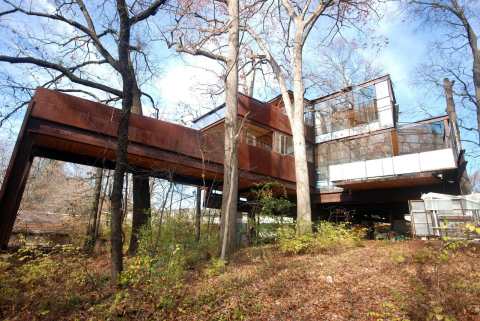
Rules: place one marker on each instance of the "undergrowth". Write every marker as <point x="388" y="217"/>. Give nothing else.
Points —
<point x="328" y="237"/>
<point x="174" y="277"/>
<point x="166" y="253"/>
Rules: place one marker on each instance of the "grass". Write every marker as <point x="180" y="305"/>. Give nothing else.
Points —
<point x="400" y="281"/>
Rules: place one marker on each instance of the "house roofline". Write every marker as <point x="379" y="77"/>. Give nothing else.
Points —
<point x="312" y="101"/>
<point x="349" y="88"/>
<point x="280" y="95"/>
<point x="214" y="110"/>
<point x="223" y="105"/>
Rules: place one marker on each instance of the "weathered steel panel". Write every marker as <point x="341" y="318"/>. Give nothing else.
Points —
<point x="77" y="130"/>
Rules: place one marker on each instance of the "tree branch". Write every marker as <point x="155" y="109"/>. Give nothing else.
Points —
<point x="150" y="11"/>
<point x="66" y="71"/>
<point x="103" y="51"/>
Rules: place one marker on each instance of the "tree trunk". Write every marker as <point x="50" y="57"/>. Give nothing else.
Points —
<point x="122" y="143"/>
<point x="476" y="83"/>
<point x="140" y="189"/>
<point x="473" y="42"/>
<point x="141" y="210"/>
<point x="171" y="201"/>
<point x="92" y="222"/>
<point x="230" y="175"/>
<point x="162" y="211"/>
<point x="125" y="199"/>
<point x="116" y="197"/>
<point x="198" y="213"/>
<point x="181" y="200"/>
<point x="251" y="82"/>
<point x="104" y="195"/>
<point x="451" y="112"/>
<point x="304" y="210"/>
<point x="251" y="226"/>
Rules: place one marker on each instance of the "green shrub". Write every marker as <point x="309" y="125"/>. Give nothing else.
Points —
<point x="291" y="243"/>
<point x="330" y="236"/>
<point x="166" y="251"/>
<point x="327" y="237"/>
<point x="271" y="204"/>
<point x="216" y="267"/>
<point x="164" y="254"/>
<point x="160" y="241"/>
<point x="271" y="198"/>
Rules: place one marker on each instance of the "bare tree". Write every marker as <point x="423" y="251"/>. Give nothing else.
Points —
<point x="70" y="69"/>
<point x="457" y="51"/>
<point x="230" y="168"/>
<point x="198" y="213"/>
<point x="94" y="212"/>
<point x="116" y="19"/>
<point x="340" y="65"/>
<point x="295" y="21"/>
<point x="130" y="97"/>
<point x="212" y="24"/>
<point x="3" y="161"/>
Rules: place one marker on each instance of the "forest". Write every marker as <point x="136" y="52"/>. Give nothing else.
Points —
<point x="103" y="238"/>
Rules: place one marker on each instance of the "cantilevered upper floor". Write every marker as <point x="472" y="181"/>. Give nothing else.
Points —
<point x="361" y="145"/>
<point x="354" y="140"/>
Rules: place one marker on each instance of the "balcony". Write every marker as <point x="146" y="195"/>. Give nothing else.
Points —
<point x="410" y="154"/>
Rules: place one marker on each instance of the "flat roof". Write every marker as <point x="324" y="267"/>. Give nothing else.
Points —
<point x="343" y="90"/>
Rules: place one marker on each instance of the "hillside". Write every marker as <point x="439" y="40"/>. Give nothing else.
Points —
<point x="378" y="280"/>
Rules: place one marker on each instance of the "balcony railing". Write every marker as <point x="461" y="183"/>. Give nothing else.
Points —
<point x="413" y="148"/>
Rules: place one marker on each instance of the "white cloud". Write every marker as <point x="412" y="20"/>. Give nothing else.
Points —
<point x="189" y="82"/>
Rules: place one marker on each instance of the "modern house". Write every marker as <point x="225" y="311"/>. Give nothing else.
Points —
<point x="363" y="164"/>
<point x="363" y="160"/>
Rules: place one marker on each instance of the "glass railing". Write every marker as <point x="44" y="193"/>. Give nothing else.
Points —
<point x="409" y="139"/>
<point x="417" y="138"/>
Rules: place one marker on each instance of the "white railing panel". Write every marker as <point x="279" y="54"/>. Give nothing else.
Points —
<point x="405" y="164"/>
<point x="374" y="168"/>
<point x="437" y="159"/>
<point x="355" y="170"/>
<point x="388" y="169"/>
<point x="390" y="166"/>
<point x="336" y="172"/>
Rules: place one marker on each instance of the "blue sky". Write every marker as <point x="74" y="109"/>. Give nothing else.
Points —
<point x="182" y="77"/>
<point x="181" y="80"/>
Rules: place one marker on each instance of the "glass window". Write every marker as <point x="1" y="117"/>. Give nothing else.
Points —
<point x="284" y="144"/>
<point x="347" y="110"/>
<point x="321" y="154"/>
<point x="365" y="105"/>
<point x="287" y="145"/>
<point x="251" y="139"/>
<point x="309" y="118"/>
<point x="322" y="121"/>
<point x="310" y="153"/>
<point x="358" y="149"/>
<point x="341" y="109"/>
<point x="379" y="146"/>
<point x="322" y="173"/>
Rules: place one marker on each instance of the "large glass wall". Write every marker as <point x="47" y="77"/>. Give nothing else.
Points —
<point x="413" y="138"/>
<point x="421" y="138"/>
<point x="353" y="108"/>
